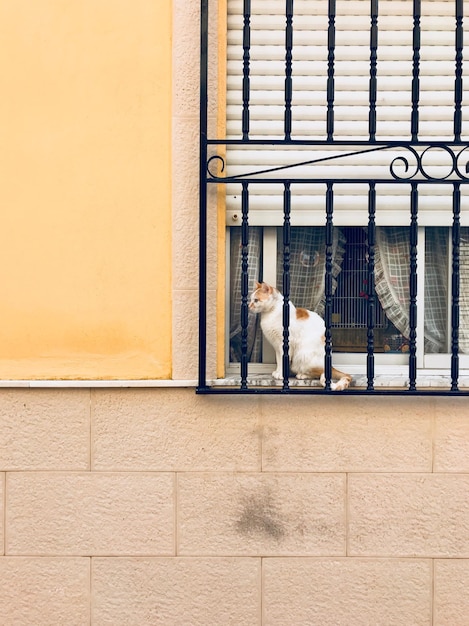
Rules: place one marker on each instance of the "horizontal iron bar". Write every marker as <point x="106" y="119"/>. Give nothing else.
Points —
<point x="322" y="392"/>
<point x="348" y="181"/>
<point x="333" y="142"/>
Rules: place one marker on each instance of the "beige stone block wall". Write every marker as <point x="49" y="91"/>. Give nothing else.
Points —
<point x="177" y="591"/>
<point x="172" y="434"/>
<point x="44" y="430"/>
<point x="352" y="592"/>
<point x="261" y="514"/>
<point x="45" y="591"/>
<point x="147" y="506"/>
<point x="409" y="515"/>
<point x="451" y="592"/>
<point x="2" y="513"/>
<point x="61" y="513"/>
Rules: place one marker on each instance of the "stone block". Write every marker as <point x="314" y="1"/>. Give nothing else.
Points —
<point x="176" y="591"/>
<point x="89" y="514"/>
<point x="346" y="592"/>
<point x="451" y="436"/>
<point x="345" y="434"/>
<point x="451" y="602"/>
<point x="261" y="514"/>
<point x="173" y="430"/>
<point x="44" y="429"/>
<point x="44" y="591"/>
<point x="185" y="335"/>
<point x="2" y="513"/>
<point x="408" y="515"/>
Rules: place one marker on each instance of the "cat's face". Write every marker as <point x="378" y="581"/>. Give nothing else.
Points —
<point x="262" y="297"/>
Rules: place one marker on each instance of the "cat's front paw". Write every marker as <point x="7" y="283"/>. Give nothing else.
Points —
<point x="277" y="375"/>
<point x="302" y="376"/>
<point x="342" y="384"/>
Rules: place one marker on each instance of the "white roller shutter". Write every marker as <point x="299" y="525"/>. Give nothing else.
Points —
<point x="351" y="106"/>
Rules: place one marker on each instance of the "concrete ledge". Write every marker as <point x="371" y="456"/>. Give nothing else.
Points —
<point x="95" y="383"/>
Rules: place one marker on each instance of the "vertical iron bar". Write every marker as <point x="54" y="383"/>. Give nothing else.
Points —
<point x="413" y="288"/>
<point x="203" y="195"/>
<point x="414" y="122"/>
<point x="328" y="286"/>
<point x="371" y="301"/>
<point x="244" y="283"/>
<point x="288" y="68"/>
<point x="455" y="286"/>
<point x="261" y="256"/>
<point x="286" y="281"/>
<point x="246" y="68"/>
<point x="330" y="71"/>
<point x="458" y="83"/>
<point x="373" y="69"/>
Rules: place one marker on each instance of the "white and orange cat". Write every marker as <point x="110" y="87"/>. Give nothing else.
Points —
<point x="305" y="341"/>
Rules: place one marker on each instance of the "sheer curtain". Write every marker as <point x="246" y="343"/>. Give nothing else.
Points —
<point x="464" y="291"/>
<point x="307" y="265"/>
<point x="254" y="250"/>
<point x="392" y="262"/>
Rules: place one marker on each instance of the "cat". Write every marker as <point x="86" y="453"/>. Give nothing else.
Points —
<point x="305" y="341"/>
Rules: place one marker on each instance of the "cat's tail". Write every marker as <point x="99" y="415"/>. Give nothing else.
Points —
<point x="343" y="380"/>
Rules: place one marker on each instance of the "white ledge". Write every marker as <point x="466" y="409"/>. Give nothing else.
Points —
<point x="64" y="384"/>
<point x="424" y="381"/>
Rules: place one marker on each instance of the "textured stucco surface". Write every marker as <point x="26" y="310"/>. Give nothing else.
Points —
<point x="313" y="438"/>
<point x="94" y="513"/>
<point x="44" y="591"/>
<point x="185" y="190"/>
<point x="205" y="434"/>
<point x="195" y="591"/>
<point x="347" y="592"/>
<point x="257" y="514"/>
<point x="451" y="592"/>
<point x="185" y="509"/>
<point x="451" y="440"/>
<point x="409" y="515"/>
<point x="47" y="430"/>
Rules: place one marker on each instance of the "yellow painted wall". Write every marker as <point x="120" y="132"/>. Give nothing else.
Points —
<point x="85" y="189"/>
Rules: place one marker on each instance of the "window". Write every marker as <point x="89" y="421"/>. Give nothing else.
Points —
<point x="346" y="129"/>
<point x="350" y="280"/>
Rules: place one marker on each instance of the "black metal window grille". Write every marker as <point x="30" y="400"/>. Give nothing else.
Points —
<point x="408" y="168"/>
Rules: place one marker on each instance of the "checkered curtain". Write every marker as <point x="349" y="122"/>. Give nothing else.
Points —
<point x="392" y="262"/>
<point x="464" y="292"/>
<point x="254" y="260"/>
<point x="307" y="265"/>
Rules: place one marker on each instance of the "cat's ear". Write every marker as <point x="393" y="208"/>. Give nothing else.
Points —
<point x="258" y="285"/>
<point x="266" y="288"/>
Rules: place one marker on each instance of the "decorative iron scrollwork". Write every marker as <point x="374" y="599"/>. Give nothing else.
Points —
<point x="413" y="162"/>
<point x="421" y="168"/>
<point x="466" y="165"/>
<point x="219" y="160"/>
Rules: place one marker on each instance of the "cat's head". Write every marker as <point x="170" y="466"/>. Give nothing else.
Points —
<point x="263" y="298"/>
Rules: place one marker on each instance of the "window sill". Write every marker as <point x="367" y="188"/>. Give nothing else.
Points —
<point x="424" y="381"/>
<point x="86" y="384"/>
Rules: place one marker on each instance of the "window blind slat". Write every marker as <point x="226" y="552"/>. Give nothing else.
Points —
<point x="345" y="7"/>
<point x="351" y="97"/>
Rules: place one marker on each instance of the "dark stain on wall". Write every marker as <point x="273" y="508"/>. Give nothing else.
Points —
<point x="260" y="515"/>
